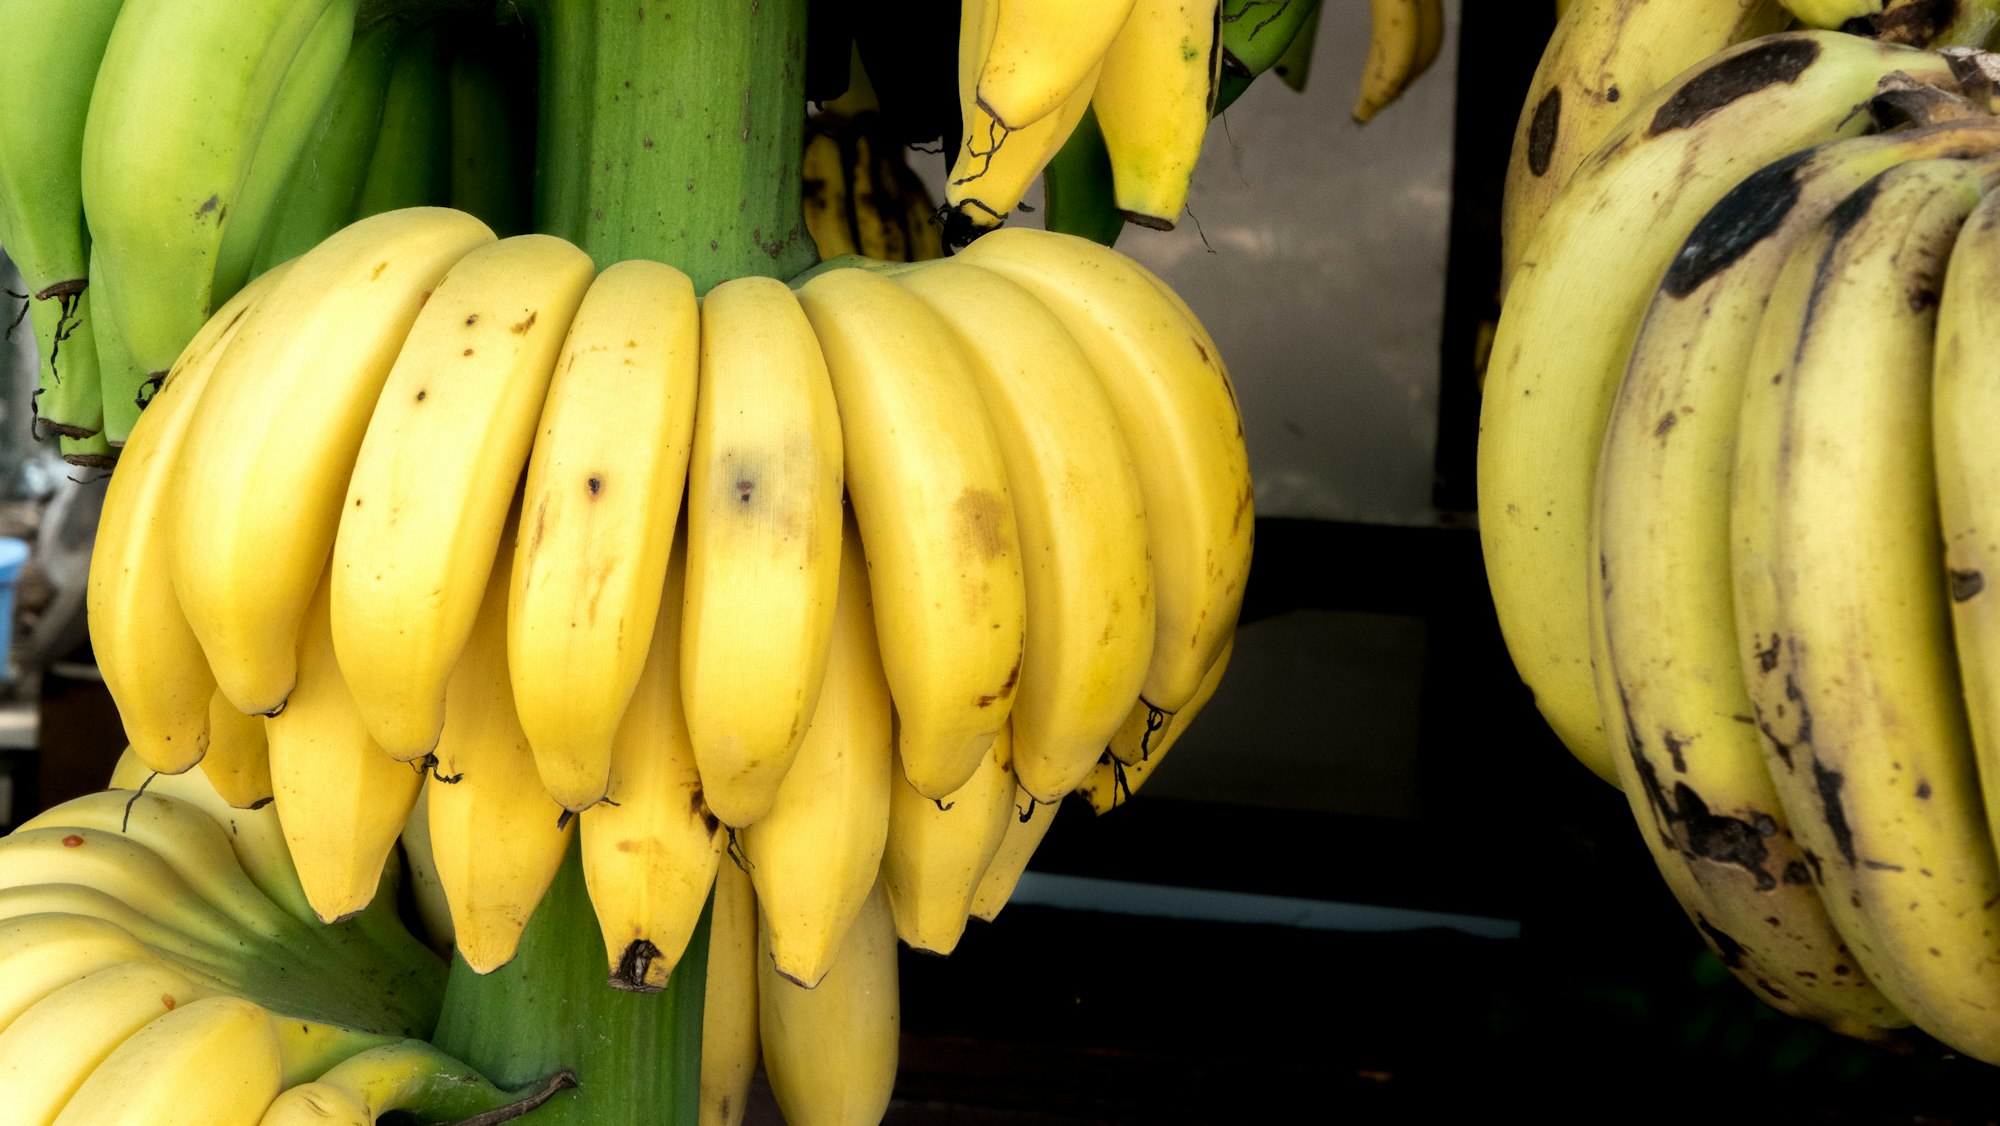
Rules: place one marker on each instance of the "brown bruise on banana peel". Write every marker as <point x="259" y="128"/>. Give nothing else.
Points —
<point x="1780" y="61"/>
<point x="1543" y="130"/>
<point x="1917" y="23"/>
<point x="640" y="969"/>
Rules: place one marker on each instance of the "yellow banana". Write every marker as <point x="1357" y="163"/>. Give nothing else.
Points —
<point x="729" y="1003"/>
<point x="830" y="1052"/>
<point x="1403" y="41"/>
<point x="938" y="849"/>
<point x="237" y="762"/>
<point x="995" y="164"/>
<point x="52" y="1047"/>
<point x="1025" y="829"/>
<point x="828" y="200"/>
<point x="212" y="1062"/>
<point x="1039" y="53"/>
<point x="1153" y="99"/>
<point x="1144" y="740"/>
<point x="42" y="952"/>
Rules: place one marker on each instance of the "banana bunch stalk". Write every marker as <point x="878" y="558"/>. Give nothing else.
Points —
<point x="1754" y="489"/>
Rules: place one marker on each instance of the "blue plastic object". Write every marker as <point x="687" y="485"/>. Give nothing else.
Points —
<point x="13" y="554"/>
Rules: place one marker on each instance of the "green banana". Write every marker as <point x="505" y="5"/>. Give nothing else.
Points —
<point x="411" y="163"/>
<point x="1258" y="33"/>
<point x="490" y="175"/>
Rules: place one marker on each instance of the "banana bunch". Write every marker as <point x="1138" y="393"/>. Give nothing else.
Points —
<point x="178" y="150"/>
<point x="1150" y="74"/>
<point x="1731" y="507"/>
<point x="861" y="196"/>
<point x="1608" y="56"/>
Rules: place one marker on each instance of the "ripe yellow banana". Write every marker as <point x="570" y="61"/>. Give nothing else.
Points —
<point x="1089" y="589"/>
<point x="729" y="1001"/>
<point x="1668" y="672"/>
<point x="237" y="762"/>
<point x="1403" y="41"/>
<point x="212" y="1062"/>
<point x="42" y="952"/>
<point x="602" y="499"/>
<point x="939" y="848"/>
<point x="1842" y="619"/>
<point x="828" y="199"/>
<point x="1144" y="740"/>
<point x="650" y="851"/>
<point x="996" y="164"/>
<point x="763" y="544"/>
<point x="432" y="922"/>
<point x="1605" y="57"/>
<point x="495" y="834"/>
<point x="830" y="1052"/>
<point x="814" y="856"/>
<point x="929" y="490"/>
<point x="1173" y="400"/>
<point x="1038" y="54"/>
<point x="342" y="802"/>
<point x="1573" y="309"/>
<point x="435" y="474"/>
<point x="295" y="390"/>
<point x="148" y="654"/>
<point x="1025" y="829"/>
<point x="405" y="1075"/>
<point x="1153" y="98"/>
<point x="1830" y="13"/>
<point x="52" y="1047"/>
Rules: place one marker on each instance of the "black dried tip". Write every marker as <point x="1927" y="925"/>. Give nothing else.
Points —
<point x="1779" y="60"/>
<point x="633" y="965"/>
<point x="1741" y="219"/>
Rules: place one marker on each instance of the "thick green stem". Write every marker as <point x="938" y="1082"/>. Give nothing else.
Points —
<point x="670" y="130"/>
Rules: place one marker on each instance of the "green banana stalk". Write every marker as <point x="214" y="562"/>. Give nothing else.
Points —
<point x="162" y="172"/>
<point x="320" y="195"/>
<point x="411" y="164"/>
<point x="308" y="88"/>
<point x="1076" y="187"/>
<point x="48" y="62"/>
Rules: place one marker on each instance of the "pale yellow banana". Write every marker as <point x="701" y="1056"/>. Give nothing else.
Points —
<point x="1153" y="98"/>
<point x="52" y="1047"/>
<point x="830" y="1052"/>
<point x="1025" y="829"/>
<point x="237" y="762"/>
<point x="211" y="1062"/>
<point x="938" y="849"/>
<point x="729" y="1001"/>
<point x="1403" y="41"/>
<point x="1143" y="742"/>
<point x="42" y="952"/>
<point x="1039" y="53"/>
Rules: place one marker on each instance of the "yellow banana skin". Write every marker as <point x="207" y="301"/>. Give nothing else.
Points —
<point x="729" y="1002"/>
<point x="1605" y="57"/>
<point x="1153" y="98"/>
<point x="830" y="1052"/>
<point x="237" y="762"/>
<point x="1144" y="740"/>
<point x="1173" y="400"/>
<point x="51" y="1049"/>
<point x="495" y="835"/>
<point x="1039" y="53"/>
<point x="1663" y="627"/>
<point x="42" y="952"/>
<point x="938" y="849"/>
<point x="1830" y="13"/>
<point x="1834" y="527"/>
<point x="996" y="163"/>
<point x="602" y="500"/>
<point x="1591" y="269"/>
<point x="1025" y="829"/>
<point x="1403" y="41"/>
<point x="341" y="801"/>
<point x="211" y="1062"/>
<point x="162" y="173"/>
<point x="308" y="366"/>
<point x="1091" y="624"/>
<point x="929" y="490"/>
<point x="651" y="851"/>
<point x="814" y="857"/>
<point x="827" y="196"/>
<point x="151" y="661"/>
<point x="434" y="478"/>
<point x="764" y="544"/>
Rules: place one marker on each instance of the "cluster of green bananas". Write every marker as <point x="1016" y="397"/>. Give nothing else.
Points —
<point x="861" y="196"/>
<point x="1149" y="74"/>
<point x="1607" y="56"/>
<point x="1736" y="477"/>
<point x="177" y="150"/>
<point x="952" y="529"/>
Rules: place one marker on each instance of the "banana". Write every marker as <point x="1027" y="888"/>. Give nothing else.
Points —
<point x="320" y="194"/>
<point x="489" y="176"/>
<point x="341" y="801"/>
<point x="48" y="61"/>
<point x="764" y="543"/>
<point x="211" y="1062"/>
<point x="52" y="1047"/>
<point x="1573" y="309"/>
<point x="406" y="1075"/>
<point x="41" y="953"/>
<point x="495" y="835"/>
<point x="1039" y="53"/>
<point x="1025" y="830"/>
<point x="1175" y="405"/>
<point x="1256" y="34"/>
<point x="650" y="851"/>
<point x="1830" y="13"/>
<point x="828" y="200"/>
<point x="144" y="932"/>
<point x="929" y="490"/>
<point x="431" y="911"/>
<point x="237" y="762"/>
<point x="93" y="452"/>
<point x="995" y="166"/>
<point x="830" y="1052"/>
<point x="603" y="497"/>
<point x="1153" y="100"/>
<point x="308" y="88"/>
<point x="729" y="1001"/>
<point x="1403" y="41"/>
<point x="163" y="173"/>
<point x="146" y="651"/>
<point x="410" y="164"/>
<point x="938" y="849"/>
<point x="1934" y="24"/>
<point x="435" y="474"/>
<point x="1144" y="741"/>
<point x="878" y="228"/>
<point x="124" y="385"/>
<point x="307" y="367"/>
<point x="1841" y="610"/>
<point x="1295" y="65"/>
<point x="1605" y="57"/>
<point x="1663" y="628"/>
<point x="814" y="856"/>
